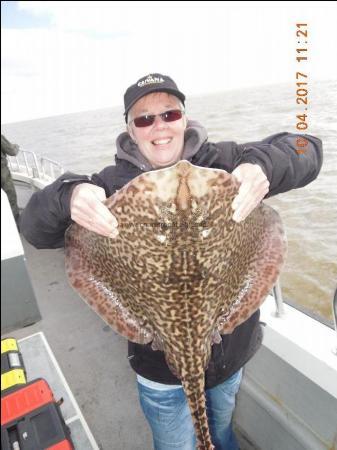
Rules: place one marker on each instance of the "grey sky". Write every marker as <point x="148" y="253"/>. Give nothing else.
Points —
<point x="62" y="57"/>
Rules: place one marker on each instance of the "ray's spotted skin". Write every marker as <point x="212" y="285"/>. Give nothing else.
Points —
<point x="181" y="271"/>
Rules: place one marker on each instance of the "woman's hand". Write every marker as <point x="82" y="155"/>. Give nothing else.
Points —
<point x="254" y="187"/>
<point x="87" y="209"/>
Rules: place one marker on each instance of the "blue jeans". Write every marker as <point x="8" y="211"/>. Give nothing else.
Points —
<point x="171" y="423"/>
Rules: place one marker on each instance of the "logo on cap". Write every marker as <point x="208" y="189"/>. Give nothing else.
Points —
<point x="150" y="80"/>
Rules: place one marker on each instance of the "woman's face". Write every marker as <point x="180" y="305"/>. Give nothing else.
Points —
<point x="162" y="142"/>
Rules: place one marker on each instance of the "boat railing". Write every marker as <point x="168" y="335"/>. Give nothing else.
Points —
<point x="334" y="314"/>
<point x="27" y="167"/>
<point x="280" y="310"/>
<point x="277" y="294"/>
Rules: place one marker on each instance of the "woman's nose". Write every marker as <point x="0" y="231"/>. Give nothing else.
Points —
<point x="159" y="123"/>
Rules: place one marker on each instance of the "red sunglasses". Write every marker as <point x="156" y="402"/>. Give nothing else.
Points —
<point x="167" y="116"/>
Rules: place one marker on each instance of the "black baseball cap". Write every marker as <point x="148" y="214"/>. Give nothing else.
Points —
<point x="154" y="82"/>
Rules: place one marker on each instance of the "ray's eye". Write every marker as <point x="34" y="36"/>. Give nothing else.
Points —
<point x="229" y="226"/>
<point x="164" y="226"/>
<point x="206" y="232"/>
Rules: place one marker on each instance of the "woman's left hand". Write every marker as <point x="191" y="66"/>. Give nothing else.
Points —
<point x="254" y="187"/>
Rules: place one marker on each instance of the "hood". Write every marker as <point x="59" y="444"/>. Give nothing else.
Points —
<point x="195" y="136"/>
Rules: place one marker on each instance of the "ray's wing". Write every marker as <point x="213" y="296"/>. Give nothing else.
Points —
<point x="262" y="256"/>
<point x="90" y="266"/>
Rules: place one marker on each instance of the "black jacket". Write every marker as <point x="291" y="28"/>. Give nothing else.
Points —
<point x="47" y="215"/>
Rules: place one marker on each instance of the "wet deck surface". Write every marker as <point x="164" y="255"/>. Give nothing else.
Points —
<point x="92" y="357"/>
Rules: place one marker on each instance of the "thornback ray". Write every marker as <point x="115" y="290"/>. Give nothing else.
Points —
<point x="181" y="272"/>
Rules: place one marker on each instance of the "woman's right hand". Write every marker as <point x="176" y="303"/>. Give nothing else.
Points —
<point x="87" y="209"/>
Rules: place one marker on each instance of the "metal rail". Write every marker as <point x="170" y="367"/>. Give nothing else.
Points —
<point x="334" y="313"/>
<point x="277" y="294"/>
<point x="27" y="167"/>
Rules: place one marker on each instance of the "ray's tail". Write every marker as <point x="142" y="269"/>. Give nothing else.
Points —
<point x="195" y="393"/>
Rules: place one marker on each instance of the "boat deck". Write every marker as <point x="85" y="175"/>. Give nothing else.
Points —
<point x="90" y="355"/>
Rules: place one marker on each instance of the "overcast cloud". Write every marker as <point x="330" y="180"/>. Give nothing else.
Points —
<point x="62" y="57"/>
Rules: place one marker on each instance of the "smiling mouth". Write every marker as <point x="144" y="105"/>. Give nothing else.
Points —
<point x="161" y="141"/>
